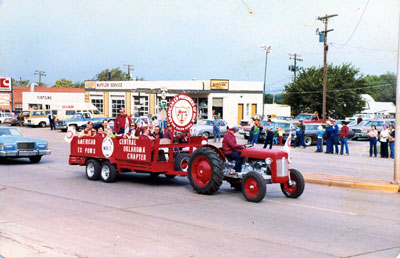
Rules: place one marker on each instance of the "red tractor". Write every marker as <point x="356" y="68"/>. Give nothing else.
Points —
<point x="208" y="167"/>
<point x="204" y="164"/>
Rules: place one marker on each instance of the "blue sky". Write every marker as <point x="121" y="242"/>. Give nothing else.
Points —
<point x="185" y="39"/>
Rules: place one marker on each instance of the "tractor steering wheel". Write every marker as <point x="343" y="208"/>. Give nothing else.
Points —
<point x="247" y="145"/>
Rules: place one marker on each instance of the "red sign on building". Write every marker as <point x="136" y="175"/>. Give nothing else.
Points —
<point x="5" y="84"/>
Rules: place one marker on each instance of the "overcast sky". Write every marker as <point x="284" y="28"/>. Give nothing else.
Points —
<point x="185" y="39"/>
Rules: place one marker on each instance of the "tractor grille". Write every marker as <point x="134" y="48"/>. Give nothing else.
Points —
<point x="282" y="167"/>
<point x="356" y="130"/>
<point x="26" y="146"/>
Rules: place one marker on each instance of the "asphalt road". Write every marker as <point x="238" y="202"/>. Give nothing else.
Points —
<point x="50" y="209"/>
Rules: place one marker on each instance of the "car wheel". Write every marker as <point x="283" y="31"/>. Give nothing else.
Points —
<point x="206" y="134"/>
<point x="35" y="159"/>
<point x="42" y="124"/>
<point x="308" y="140"/>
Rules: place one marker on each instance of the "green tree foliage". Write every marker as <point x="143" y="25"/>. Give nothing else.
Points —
<point x="20" y="83"/>
<point x="344" y="88"/>
<point x="63" y="83"/>
<point x="383" y="87"/>
<point x="116" y="74"/>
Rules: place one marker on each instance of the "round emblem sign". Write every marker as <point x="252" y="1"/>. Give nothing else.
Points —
<point x="107" y="147"/>
<point x="181" y="112"/>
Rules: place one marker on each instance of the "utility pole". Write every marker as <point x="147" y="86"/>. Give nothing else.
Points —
<point x="324" y="33"/>
<point x="20" y="81"/>
<point x="129" y="69"/>
<point x="267" y="49"/>
<point x="294" y="68"/>
<point x="396" y="174"/>
<point x="40" y="73"/>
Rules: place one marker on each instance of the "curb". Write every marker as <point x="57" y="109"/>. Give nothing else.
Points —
<point x="351" y="182"/>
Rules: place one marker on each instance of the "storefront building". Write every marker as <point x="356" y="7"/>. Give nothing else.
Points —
<point x="231" y="100"/>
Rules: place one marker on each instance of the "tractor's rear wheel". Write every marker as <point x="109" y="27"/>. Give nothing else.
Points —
<point x="254" y="187"/>
<point x="205" y="171"/>
<point x="297" y="187"/>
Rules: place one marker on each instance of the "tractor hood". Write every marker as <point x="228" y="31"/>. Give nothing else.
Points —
<point x="260" y="153"/>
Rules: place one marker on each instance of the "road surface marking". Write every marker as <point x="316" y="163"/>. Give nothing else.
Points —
<point x="316" y="208"/>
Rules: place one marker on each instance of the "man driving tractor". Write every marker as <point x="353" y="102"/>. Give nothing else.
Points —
<point x="231" y="149"/>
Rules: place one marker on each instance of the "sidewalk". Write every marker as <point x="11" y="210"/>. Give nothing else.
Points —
<point x="357" y="170"/>
<point x="349" y="181"/>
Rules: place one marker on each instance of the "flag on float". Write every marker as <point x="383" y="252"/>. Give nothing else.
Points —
<point x="287" y="143"/>
<point x="70" y="134"/>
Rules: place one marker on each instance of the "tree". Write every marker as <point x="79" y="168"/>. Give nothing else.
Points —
<point x="383" y="87"/>
<point x="20" y="83"/>
<point x="344" y="88"/>
<point x="115" y="74"/>
<point x="63" y="83"/>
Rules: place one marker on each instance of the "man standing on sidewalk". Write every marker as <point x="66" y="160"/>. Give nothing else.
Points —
<point x="216" y="129"/>
<point x="344" y="134"/>
<point x="269" y="134"/>
<point x="334" y="137"/>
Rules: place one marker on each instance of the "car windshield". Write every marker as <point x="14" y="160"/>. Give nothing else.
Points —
<point x="282" y="125"/>
<point x="303" y="117"/>
<point x="77" y="116"/>
<point x="10" y="132"/>
<point x="376" y="123"/>
<point x="205" y="122"/>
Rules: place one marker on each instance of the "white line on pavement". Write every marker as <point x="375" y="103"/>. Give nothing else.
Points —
<point x="316" y="208"/>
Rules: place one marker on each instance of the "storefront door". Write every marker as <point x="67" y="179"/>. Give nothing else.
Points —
<point x="240" y="113"/>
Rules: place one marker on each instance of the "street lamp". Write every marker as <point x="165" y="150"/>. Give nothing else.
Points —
<point x="267" y="49"/>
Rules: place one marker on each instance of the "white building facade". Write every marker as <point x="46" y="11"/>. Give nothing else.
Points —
<point x="231" y="100"/>
<point x="50" y="100"/>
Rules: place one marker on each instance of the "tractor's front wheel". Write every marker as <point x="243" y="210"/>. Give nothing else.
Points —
<point x="205" y="171"/>
<point x="297" y="185"/>
<point x="254" y="187"/>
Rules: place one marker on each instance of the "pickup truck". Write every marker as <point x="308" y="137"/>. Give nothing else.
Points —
<point x="78" y="121"/>
<point x="308" y="118"/>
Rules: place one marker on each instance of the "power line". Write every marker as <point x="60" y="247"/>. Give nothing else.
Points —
<point x="354" y="31"/>
<point x="350" y="89"/>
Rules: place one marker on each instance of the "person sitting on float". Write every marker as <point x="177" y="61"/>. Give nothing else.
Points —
<point x="168" y="133"/>
<point x="106" y="128"/>
<point x="157" y="132"/>
<point x="89" y="131"/>
<point x="100" y="132"/>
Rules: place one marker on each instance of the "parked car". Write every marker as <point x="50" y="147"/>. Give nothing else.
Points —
<point x="13" y="144"/>
<point x="282" y="118"/>
<point x="287" y="126"/>
<point x="361" y="130"/>
<point x="4" y="116"/>
<point x="310" y="134"/>
<point x="205" y="128"/>
<point x="78" y="121"/>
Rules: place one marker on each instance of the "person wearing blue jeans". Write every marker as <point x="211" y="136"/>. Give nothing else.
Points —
<point x="255" y="131"/>
<point x="372" y="134"/>
<point x="334" y="137"/>
<point x="329" y="148"/>
<point x="320" y="135"/>
<point x="344" y="134"/>
<point x="391" y="140"/>
<point x="216" y="129"/>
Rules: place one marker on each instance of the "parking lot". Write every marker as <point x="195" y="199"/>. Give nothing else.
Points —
<point x="50" y="209"/>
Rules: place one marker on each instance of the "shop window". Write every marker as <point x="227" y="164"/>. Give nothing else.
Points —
<point x="141" y="106"/>
<point x="98" y="103"/>
<point x="247" y="109"/>
<point x="116" y="105"/>
<point x="217" y="107"/>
